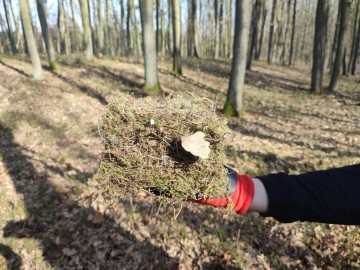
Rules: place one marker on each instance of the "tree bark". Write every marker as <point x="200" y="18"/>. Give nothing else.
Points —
<point x="157" y="26"/>
<point x="129" y="43"/>
<point x="9" y="29"/>
<point x="109" y="37"/>
<point x="217" y="28"/>
<point x="233" y="104"/>
<point x="75" y="29"/>
<point x="291" y="53"/>
<point x="176" y="8"/>
<point x="344" y="10"/>
<point x="170" y="28"/>
<point x="100" y="27"/>
<point x="321" y="25"/>
<point x="149" y="47"/>
<point x="191" y="34"/>
<point x="46" y="35"/>
<point x="271" y="34"/>
<point x="354" y="36"/>
<point x="30" y="40"/>
<point x="84" y="7"/>
<point x="263" y="20"/>
<point x="254" y="32"/>
<point x="335" y="39"/>
<point x="356" y="50"/>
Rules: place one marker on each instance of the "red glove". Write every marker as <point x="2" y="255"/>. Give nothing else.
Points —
<point x="241" y="197"/>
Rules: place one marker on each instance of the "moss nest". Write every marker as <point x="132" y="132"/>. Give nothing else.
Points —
<point x="142" y="148"/>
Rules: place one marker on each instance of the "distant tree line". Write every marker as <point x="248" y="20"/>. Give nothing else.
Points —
<point x="323" y="33"/>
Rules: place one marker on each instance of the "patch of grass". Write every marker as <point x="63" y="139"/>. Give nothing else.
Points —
<point x="142" y="148"/>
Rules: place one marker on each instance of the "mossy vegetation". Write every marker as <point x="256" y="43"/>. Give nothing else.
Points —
<point x="142" y="148"/>
<point x="156" y="89"/>
<point x="229" y="111"/>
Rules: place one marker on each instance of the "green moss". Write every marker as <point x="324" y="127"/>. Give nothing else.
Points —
<point x="142" y="148"/>
<point x="54" y="65"/>
<point x="177" y="72"/>
<point x="156" y="89"/>
<point x="229" y="111"/>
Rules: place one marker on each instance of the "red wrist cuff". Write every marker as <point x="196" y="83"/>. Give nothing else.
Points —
<point x="243" y="194"/>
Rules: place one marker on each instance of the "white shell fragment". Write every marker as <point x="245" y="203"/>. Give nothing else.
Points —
<point x="196" y="144"/>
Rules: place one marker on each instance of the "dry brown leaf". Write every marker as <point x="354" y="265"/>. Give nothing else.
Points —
<point x="196" y="144"/>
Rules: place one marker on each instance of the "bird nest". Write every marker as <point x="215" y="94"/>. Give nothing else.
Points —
<point x="144" y="142"/>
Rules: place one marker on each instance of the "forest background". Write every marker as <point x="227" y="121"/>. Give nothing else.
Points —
<point x="285" y="72"/>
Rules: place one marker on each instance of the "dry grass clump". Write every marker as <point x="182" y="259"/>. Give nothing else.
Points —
<point x="142" y="148"/>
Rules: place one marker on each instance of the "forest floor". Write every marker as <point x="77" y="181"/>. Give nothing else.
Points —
<point x="51" y="218"/>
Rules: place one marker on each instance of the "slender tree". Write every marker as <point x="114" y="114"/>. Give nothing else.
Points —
<point x="261" y="38"/>
<point x="321" y="25"/>
<point x="233" y="104"/>
<point x="84" y="7"/>
<point x="100" y="27"/>
<point x="356" y="50"/>
<point x="30" y="40"/>
<point x="46" y="35"/>
<point x="177" y="37"/>
<point x="271" y="33"/>
<point x="9" y="29"/>
<point x="149" y="46"/>
<point x="191" y="33"/>
<point x="75" y="29"/>
<point x="217" y="29"/>
<point x="344" y="11"/>
<point x="254" y="32"/>
<point x="354" y="36"/>
<point x="291" y="52"/>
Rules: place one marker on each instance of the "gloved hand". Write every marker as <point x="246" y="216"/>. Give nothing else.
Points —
<point x="241" y="193"/>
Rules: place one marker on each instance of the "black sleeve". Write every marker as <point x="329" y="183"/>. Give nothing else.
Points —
<point x="329" y="196"/>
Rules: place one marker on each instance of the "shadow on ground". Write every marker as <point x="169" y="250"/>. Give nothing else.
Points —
<point x="69" y="238"/>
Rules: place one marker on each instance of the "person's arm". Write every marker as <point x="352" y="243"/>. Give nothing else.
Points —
<point x="329" y="196"/>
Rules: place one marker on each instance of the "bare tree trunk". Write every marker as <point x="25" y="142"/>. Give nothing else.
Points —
<point x="191" y="34"/>
<point x="177" y="69"/>
<point x="30" y="40"/>
<point x="100" y="27"/>
<point x="335" y="38"/>
<point x="157" y="26"/>
<point x="353" y="43"/>
<point x="344" y="10"/>
<point x="149" y="46"/>
<point x="344" y="66"/>
<point x="292" y="34"/>
<point x="271" y="35"/>
<point x="263" y="20"/>
<point x="9" y="29"/>
<point x="233" y="104"/>
<point x="356" y="50"/>
<point x="75" y="29"/>
<point x="163" y="36"/>
<point x="130" y="6"/>
<point x="285" y="46"/>
<point x="18" y="39"/>
<point x="321" y="25"/>
<point x="217" y="29"/>
<point x="170" y="28"/>
<point x="111" y="49"/>
<point x="62" y="28"/>
<point x="122" y="21"/>
<point x="254" y="32"/>
<point x="84" y="7"/>
<point x="230" y="41"/>
<point x="47" y="35"/>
